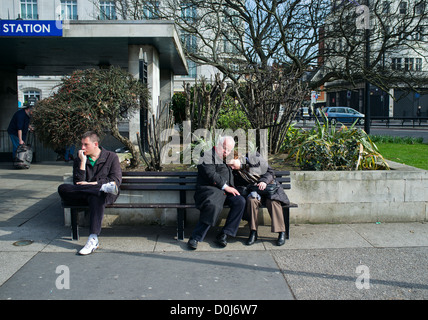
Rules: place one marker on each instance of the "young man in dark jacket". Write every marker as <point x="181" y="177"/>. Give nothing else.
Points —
<point x="96" y="179"/>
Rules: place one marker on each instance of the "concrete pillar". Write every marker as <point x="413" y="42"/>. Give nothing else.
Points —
<point x="153" y="78"/>
<point x="133" y="69"/>
<point x="166" y="86"/>
<point x="153" y="70"/>
<point x="8" y="96"/>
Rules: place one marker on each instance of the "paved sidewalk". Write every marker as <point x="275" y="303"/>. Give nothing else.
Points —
<point x="341" y="261"/>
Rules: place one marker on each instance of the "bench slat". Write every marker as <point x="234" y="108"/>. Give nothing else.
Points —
<point x="173" y="187"/>
<point x="161" y="180"/>
<point x="149" y="187"/>
<point x="139" y="205"/>
<point x="150" y="205"/>
<point x="278" y="174"/>
<point x="159" y="174"/>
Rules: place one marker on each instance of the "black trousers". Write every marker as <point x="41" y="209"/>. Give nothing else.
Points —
<point x="89" y="195"/>
<point x="237" y="206"/>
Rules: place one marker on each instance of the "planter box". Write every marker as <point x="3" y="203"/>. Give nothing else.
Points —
<point x="397" y="195"/>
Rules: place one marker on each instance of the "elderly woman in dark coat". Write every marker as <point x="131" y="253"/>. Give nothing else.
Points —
<point x="253" y="178"/>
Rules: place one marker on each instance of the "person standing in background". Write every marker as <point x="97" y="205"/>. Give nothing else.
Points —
<point x="20" y="124"/>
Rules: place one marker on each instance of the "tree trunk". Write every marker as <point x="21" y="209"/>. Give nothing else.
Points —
<point x="135" y="161"/>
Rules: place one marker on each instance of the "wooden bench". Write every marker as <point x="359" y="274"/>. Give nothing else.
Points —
<point x="169" y="181"/>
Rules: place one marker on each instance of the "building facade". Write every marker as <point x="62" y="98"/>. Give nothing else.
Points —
<point x="397" y="56"/>
<point x="32" y="63"/>
<point x="86" y="10"/>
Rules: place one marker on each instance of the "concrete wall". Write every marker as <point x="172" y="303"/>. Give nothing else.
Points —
<point x="397" y="195"/>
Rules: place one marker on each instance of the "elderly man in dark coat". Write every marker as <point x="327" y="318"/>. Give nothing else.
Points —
<point x="215" y="186"/>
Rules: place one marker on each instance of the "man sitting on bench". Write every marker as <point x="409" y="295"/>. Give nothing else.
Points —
<point x="214" y="187"/>
<point x="96" y="179"/>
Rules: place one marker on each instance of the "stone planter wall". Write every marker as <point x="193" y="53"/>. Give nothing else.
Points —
<point x="397" y="195"/>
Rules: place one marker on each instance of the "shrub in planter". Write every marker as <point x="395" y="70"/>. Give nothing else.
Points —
<point x="325" y="147"/>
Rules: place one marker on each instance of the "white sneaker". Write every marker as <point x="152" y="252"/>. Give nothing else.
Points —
<point x="90" y="246"/>
<point x="110" y="187"/>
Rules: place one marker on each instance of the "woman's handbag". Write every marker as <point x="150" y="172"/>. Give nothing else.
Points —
<point x="268" y="191"/>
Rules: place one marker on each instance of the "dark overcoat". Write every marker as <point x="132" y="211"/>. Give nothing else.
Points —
<point x="256" y="164"/>
<point x="209" y="197"/>
<point x="106" y="169"/>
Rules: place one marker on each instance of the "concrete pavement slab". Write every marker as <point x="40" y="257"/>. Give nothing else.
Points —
<point x="126" y="275"/>
<point x="412" y="234"/>
<point x="330" y="274"/>
<point x="10" y="262"/>
<point x="312" y="236"/>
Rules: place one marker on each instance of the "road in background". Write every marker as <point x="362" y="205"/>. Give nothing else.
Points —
<point x="382" y="129"/>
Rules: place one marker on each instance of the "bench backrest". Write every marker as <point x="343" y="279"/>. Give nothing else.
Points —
<point x="185" y="180"/>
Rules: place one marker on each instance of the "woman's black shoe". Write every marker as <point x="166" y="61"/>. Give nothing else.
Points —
<point x="252" y="238"/>
<point x="281" y="239"/>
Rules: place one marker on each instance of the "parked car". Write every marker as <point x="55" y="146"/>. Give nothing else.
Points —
<point x="343" y="114"/>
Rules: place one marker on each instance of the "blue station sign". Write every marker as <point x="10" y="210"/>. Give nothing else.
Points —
<point x="30" y="28"/>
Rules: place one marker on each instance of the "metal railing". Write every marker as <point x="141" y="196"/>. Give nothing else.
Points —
<point x="399" y="121"/>
<point x="383" y="121"/>
<point x="41" y="152"/>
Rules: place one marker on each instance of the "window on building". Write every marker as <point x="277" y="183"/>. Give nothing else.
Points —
<point x="192" y="69"/>
<point x="31" y="93"/>
<point x="420" y="7"/>
<point x="189" y="41"/>
<point x="409" y="64"/>
<point x="107" y="10"/>
<point x="396" y="64"/>
<point x="418" y="66"/>
<point x="29" y="9"/>
<point x="386" y="6"/>
<point x="151" y="9"/>
<point x="230" y="45"/>
<point x="419" y="32"/>
<point x="402" y="34"/>
<point x="403" y="7"/>
<point x="188" y="12"/>
<point x="69" y="10"/>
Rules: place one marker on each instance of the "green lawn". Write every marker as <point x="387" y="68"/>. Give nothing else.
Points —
<point x="415" y="155"/>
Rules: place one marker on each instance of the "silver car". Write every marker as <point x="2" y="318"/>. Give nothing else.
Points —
<point x="343" y="114"/>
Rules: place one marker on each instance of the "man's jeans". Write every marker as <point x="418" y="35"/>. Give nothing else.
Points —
<point x="15" y="144"/>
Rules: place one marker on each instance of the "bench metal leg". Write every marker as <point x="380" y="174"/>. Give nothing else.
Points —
<point x="286" y="213"/>
<point x="181" y="219"/>
<point x="74" y="224"/>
